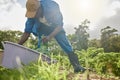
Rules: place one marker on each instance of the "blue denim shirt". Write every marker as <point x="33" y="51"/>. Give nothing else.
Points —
<point x="52" y="13"/>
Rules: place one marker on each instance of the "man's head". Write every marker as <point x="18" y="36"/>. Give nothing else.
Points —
<point x="32" y="7"/>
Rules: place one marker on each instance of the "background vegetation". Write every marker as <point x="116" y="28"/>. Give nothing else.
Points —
<point x="102" y="56"/>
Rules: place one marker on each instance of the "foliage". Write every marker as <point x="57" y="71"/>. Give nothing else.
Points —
<point x="93" y="58"/>
<point x="81" y="36"/>
<point x="14" y="36"/>
<point x="110" y="40"/>
<point x="9" y="35"/>
<point x="89" y="53"/>
<point x="108" y="63"/>
<point x="51" y="46"/>
<point x="114" y="44"/>
<point x="38" y="71"/>
<point x="94" y="43"/>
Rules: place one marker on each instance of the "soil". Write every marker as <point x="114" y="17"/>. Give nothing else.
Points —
<point x="91" y="76"/>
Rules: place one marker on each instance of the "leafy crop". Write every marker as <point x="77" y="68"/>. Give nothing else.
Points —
<point x="104" y="64"/>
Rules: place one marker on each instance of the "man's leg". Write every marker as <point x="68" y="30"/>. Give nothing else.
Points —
<point x="66" y="46"/>
<point x="73" y="58"/>
<point x="24" y="38"/>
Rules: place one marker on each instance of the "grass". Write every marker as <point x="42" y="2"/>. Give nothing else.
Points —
<point x="40" y="71"/>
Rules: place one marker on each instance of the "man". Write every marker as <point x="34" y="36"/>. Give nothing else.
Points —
<point x="44" y="18"/>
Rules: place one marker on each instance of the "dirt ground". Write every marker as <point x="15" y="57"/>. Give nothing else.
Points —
<point x="91" y="76"/>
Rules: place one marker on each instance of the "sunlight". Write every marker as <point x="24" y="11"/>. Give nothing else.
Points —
<point x="91" y="8"/>
<point x="85" y="5"/>
<point x="78" y="10"/>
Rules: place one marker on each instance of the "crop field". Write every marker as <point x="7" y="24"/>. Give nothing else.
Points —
<point x="105" y="66"/>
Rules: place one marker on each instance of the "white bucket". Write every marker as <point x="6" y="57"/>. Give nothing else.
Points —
<point x="15" y="54"/>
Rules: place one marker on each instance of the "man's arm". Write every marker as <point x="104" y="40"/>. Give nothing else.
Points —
<point x="24" y="38"/>
<point x="28" y="29"/>
<point x="56" y="30"/>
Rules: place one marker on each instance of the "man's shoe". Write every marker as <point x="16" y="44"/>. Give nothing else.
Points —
<point x="75" y="63"/>
<point x="79" y="69"/>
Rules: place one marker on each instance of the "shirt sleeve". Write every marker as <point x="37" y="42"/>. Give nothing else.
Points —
<point x="29" y="25"/>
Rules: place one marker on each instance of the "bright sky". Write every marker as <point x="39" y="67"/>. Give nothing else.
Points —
<point x="74" y="12"/>
<point x="81" y="9"/>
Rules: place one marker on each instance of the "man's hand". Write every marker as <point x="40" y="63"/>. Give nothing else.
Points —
<point x="46" y="39"/>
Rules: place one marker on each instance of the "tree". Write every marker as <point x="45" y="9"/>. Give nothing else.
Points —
<point x="115" y="43"/>
<point x="82" y="36"/>
<point x="94" y="43"/>
<point x="109" y="37"/>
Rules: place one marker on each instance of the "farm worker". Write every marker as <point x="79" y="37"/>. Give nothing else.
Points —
<point x="44" y="18"/>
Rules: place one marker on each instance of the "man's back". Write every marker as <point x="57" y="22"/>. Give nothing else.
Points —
<point x="52" y="13"/>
